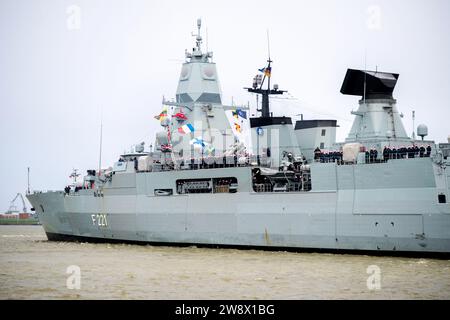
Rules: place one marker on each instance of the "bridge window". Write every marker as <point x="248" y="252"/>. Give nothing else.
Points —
<point x="442" y="199"/>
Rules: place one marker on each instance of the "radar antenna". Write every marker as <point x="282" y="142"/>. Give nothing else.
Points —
<point x="198" y="35"/>
<point x="265" y="108"/>
<point x="74" y="175"/>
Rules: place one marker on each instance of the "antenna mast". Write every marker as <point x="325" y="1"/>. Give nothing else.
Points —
<point x="74" y="175"/>
<point x="100" y="151"/>
<point x="198" y="35"/>
<point x="269" y="61"/>
<point x="28" y="179"/>
<point x="365" y="74"/>
<point x="265" y="109"/>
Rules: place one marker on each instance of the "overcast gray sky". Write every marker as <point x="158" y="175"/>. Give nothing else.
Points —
<point x="62" y="62"/>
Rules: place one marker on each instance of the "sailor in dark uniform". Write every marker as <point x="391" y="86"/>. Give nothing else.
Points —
<point x="410" y="152"/>
<point x="428" y="150"/>
<point x="322" y="157"/>
<point x="416" y="150"/>
<point x="385" y="153"/>
<point x="403" y="152"/>
<point x="317" y="153"/>
<point x="422" y="151"/>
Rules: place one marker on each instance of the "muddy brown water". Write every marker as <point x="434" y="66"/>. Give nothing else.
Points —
<point x="33" y="268"/>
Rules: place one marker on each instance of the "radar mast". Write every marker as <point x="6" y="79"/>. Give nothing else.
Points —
<point x="258" y="87"/>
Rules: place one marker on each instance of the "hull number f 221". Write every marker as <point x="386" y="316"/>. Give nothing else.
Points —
<point x="99" y="220"/>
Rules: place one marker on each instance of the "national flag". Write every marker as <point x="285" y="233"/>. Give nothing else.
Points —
<point x="237" y="127"/>
<point x="180" y="116"/>
<point x="162" y="115"/>
<point x="242" y="113"/>
<point x="262" y="69"/>
<point x="239" y="113"/>
<point x="268" y="71"/>
<point x="187" y="128"/>
<point x="199" y="142"/>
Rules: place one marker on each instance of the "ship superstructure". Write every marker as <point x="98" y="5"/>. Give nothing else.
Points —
<point x="294" y="187"/>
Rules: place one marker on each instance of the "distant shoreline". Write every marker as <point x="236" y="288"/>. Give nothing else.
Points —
<point x="19" y="222"/>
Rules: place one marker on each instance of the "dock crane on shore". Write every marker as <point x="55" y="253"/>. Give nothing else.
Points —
<point x="13" y="208"/>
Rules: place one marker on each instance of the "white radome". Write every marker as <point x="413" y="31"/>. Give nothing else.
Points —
<point x="422" y="130"/>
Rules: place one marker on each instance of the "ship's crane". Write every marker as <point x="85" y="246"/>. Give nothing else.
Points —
<point x="13" y="208"/>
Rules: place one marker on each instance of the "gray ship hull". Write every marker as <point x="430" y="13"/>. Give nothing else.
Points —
<point x="372" y="207"/>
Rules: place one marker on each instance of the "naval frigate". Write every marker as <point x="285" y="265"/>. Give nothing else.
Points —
<point x="292" y="186"/>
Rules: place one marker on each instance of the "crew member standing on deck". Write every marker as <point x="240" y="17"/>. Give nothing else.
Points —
<point x="422" y="151"/>
<point x="317" y="153"/>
